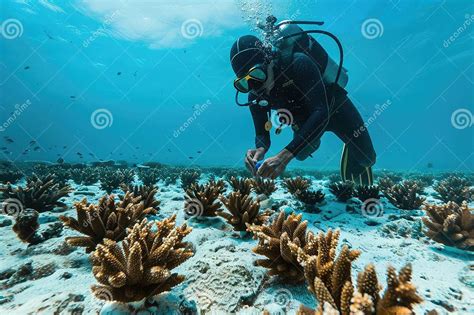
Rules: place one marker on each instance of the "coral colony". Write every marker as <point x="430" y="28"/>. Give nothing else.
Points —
<point x="135" y="251"/>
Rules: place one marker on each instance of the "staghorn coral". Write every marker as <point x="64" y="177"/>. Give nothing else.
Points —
<point x="274" y="241"/>
<point x="87" y="177"/>
<point x="39" y="194"/>
<point x="202" y="200"/>
<point x="450" y="224"/>
<point x="454" y="188"/>
<point x="310" y="197"/>
<point x="405" y="195"/>
<point x="244" y="185"/>
<point x="332" y="286"/>
<point x="327" y="275"/>
<point x="146" y="193"/>
<point x="149" y="176"/>
<point x="367" y="192"/>
<point x="188" y="178"/>
<point x="106" y="220"/>
<point x="263" y="186"/>
<point x="292" y="185"/>
<point x="142" y="266"/>
<point x="243" y="210"/>
<point x="342" y="190"/>
<point x="111" y="179"/>
<point x="385" y="183"/>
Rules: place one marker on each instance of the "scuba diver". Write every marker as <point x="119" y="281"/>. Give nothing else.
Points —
<point x="294" y="76"/>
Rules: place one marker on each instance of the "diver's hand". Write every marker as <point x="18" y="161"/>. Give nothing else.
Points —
<point x="252" y="157"/>
<point x="274" y="166"/>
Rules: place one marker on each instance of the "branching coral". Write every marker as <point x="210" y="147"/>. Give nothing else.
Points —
<point x="188" y="178"/>
<point x="330" y="280"/>
<point x="243" y="211"/>
<point x="149" y="176"/>
<point x="87" y="176"/>
<point x="385" y="183"/>
<point x="146" y="193"/>
<point x="405" y="195"/>
<point x="455" y="189"/>
<point x="367" y="192"/>
<point x="107" y="219"/>
<point x="39" y="194"/>
<point x="111" y="179"/>
<point x="202" y="200"/>
<point x="450" y="224"/>
<point x="244" y="185"/>
<point x="274" y="241"/>
<point x="342" y="190"/>
<point x="264" y="186"/>
<point x="142" y="267"/>
<point x="293" y="185"/>
<point x="310" y="197"/>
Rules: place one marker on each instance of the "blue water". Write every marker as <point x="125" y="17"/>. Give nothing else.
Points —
<point x="167" y="93"/>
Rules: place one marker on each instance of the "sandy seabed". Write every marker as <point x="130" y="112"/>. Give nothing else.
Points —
<point x="221" y="277"/>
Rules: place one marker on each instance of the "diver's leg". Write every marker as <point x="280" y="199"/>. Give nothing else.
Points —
<point x="358" y="155"/>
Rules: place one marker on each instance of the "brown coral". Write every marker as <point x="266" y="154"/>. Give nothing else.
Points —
<point x="263" y="186"/>
<point x="41" y="194"/>
<point x="450" y="224"/>
<point x="202" y="200"/>
<point x="399" y="298"/>
<point x="142" y="267"/>
<point x="147" y="194"/>
<point x="274" y="243"/>
<point x="293" y="185"/>
<point x="107" y="219"/>
<point x="243" y="210"/>
<point x="455" y="189"/>
<point x="405" y="195"/>
<point x="244" y="185"/>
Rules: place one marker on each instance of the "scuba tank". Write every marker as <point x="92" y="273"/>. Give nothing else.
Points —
<point x="287" y="37"/>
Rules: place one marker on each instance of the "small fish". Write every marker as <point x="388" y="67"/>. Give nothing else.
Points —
<point x="190" y="158"/>
<point x="91" y="154"/>
<point x="3" y="148"/>
<point x="429" y="165"/>
<point x="64" y="147"/>
<point x="60" y="161"/>
<point x="135" y="74"/>
<point x="26" y="68"/>
<point x="169" y="150"/>
<point x="32" y="142"/>
<point x="72" y="97"/>
<point x="79" y="153"/>
<point x="36" y="148"/>
<point x="137" y="148"/>
<point x="119" y="73"/>
<point x="199" y="152"/>
<point x="9" y="140"/>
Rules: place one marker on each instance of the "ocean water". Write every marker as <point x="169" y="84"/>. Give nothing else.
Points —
<point x="132" y="83"/>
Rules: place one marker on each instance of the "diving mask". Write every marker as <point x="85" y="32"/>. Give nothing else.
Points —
<point x="244" y="83"/>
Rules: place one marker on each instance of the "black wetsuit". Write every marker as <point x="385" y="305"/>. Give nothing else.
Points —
<point x="299" y="89"/>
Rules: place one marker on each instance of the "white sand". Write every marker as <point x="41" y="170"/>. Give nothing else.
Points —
<point x="221" y="276"/>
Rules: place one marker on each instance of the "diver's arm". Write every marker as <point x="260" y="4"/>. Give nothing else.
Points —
<point x="259" y="116"/>
<point x="308" y="79"/>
